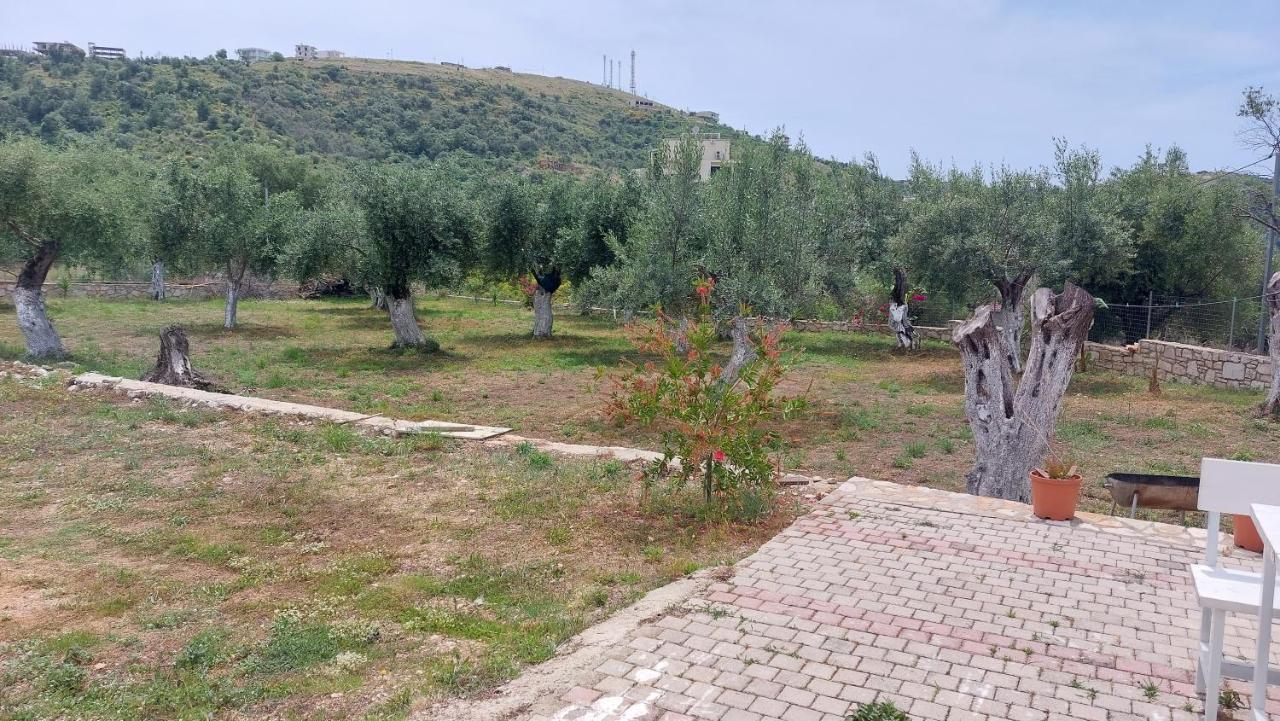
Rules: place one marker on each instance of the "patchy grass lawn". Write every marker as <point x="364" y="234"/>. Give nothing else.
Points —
<point x="873" y="411"/>
<point x="160" y="562"/>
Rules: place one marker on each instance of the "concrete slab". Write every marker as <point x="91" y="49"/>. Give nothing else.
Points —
<point x="389" y="426"/>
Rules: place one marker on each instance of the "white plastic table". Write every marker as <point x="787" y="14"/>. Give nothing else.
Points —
<point x="1267" y="520"/>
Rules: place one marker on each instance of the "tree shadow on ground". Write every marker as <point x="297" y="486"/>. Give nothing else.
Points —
<point x="379" y="359"/>
<point x="1092" y="385"/>
<point x="864" y="346"/>
<point x="247" y="331"/>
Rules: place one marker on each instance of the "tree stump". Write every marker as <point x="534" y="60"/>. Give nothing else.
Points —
<point x="1272" y="406"/>
<point x="173" y="365"/>
<point x="1011" y="427"/>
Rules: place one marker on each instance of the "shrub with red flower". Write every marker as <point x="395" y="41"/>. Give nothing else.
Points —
<point x="528" y="286"/>
<point x="712" y="431"/>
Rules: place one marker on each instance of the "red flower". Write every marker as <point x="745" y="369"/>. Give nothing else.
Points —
<point x="919" y="297"/>
<point x="718" y="456"/>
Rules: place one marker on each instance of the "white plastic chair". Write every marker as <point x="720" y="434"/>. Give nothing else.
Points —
<point x="1227" y="487"/>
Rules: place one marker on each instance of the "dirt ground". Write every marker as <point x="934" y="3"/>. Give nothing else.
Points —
<point x="161" y="562"/>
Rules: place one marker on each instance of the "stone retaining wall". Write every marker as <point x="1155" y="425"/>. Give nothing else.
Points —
<point x="1182" y="363"/>
<point x="181" y="291"/>
<point x="924" y="331"/>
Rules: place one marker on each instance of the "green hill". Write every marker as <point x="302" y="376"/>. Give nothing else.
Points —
<point x="353" y="108"/>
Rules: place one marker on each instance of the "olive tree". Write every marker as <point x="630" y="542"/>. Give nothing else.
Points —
<point x="77" y="204"/>
<point x="176" y="223"/>
<point x="529" y="226"/>
<point x="418" y="229"/>
<point x="966" y="228"/>
<point x="243" y="226"/>
<point x="658" y="263"/>
<point x="764" y="239"/>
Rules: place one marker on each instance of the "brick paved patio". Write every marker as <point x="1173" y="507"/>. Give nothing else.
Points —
<point x="954" y="608"/>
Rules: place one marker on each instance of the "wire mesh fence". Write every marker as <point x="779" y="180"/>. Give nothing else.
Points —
<point x="1230" y="324"/>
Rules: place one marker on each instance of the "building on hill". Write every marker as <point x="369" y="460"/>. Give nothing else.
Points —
<point x="715" y="153"/>
<point x="707" y="115"/>
<point x="639" y="102"/>
<point x="455" y="66"/>
<point x="254" y="55"/>
<point x="102" y="52"/>
<point x="47" y="47"/>
<point x="502" y="69"/>
<point x="305" y="52"/>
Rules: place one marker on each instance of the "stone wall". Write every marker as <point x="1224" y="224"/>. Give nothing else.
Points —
<point x="926" y="332"/>
<point x="187" y="291"/>
<point x="1181" y="363"/>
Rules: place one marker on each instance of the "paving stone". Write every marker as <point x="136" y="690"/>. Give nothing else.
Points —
<point x="948" y="619"/>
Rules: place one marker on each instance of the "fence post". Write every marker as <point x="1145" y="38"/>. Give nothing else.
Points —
<point x="1231" y="335"/>
<point x="1150" y="299"/>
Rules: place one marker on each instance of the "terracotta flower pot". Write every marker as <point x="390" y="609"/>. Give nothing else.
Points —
<point x="1246" y="534"/>
<point x="1054" y="498"/>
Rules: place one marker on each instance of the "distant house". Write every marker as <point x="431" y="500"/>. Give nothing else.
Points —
<point x="102" y="52"/>
<point x="45" y="47"/>
<point x="254" y="55"/>
<point x="707" y="115"/>
<point x="455" y="66"/>
<point x="641" y="103"/>
<point x="309" y="52"/>
<point x="715" y="153"/>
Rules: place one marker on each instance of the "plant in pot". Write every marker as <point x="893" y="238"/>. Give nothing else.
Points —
<point x="1055" y="488"/>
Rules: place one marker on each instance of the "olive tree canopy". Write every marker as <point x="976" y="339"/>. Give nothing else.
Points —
<point x="78" y="204"/>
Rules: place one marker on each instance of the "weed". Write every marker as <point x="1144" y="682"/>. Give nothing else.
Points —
<point x="1150" y="689"/>
<point x="879" y="711"/>
<point x="203" y="650"/>
<point x="1229" y="700"/>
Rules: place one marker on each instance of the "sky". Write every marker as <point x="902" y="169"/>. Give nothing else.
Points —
<point x="961" y="81"/>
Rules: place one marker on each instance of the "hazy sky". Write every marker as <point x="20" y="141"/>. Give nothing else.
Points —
<point x="969" y="81"/>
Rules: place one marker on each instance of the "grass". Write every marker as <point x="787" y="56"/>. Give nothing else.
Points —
<point x="163" y="563"/>
<point x="870" y="407"/>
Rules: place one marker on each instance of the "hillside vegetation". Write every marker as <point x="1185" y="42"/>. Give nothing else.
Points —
<point x="351" y="109"/>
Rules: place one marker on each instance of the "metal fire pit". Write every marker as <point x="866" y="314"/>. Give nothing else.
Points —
<point x="1148" y="490"/>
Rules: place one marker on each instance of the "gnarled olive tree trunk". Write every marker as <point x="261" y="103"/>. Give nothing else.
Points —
<point x="546" y="286"/>
<point x="1272" y="405"/>
<point x="404" y="321"/>
<point x="28" y="297"/>
<point x="378" y="299"/>
<point x="898" y="320"/>
<point x="157" y="280"/>
<point x="235" y="281"/>
<point x="1009" y="318"/>
<point x="1011" y="427"/>
<point x="173" y="365"/>
<point x="744" y="351"/>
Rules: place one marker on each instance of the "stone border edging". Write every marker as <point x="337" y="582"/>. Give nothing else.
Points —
<point x="387" y="426"/>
